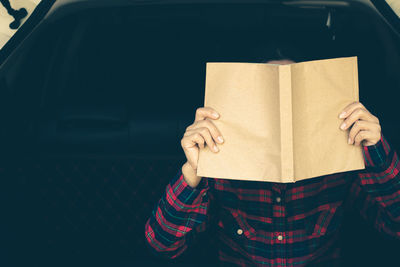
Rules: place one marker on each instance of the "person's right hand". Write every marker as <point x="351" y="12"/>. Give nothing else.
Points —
<point x="202" y="132"/>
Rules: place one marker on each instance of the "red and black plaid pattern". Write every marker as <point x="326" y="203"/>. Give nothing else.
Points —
<point x="273" y="224"/>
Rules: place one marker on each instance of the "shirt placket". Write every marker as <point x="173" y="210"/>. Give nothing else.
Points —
<point x="279" y="216"/>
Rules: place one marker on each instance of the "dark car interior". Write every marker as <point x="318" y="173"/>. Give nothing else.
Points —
<point x="96" y="99"/>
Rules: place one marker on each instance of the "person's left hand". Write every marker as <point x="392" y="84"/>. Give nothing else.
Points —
<point x="365" y="127"/>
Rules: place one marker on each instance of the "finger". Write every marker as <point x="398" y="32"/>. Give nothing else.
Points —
<point x="193" y="139"/>
<point x="198" y="138"/>
<point x="350" y="108"/>
<point x="205" y="133"/>
<point x="362" y="135"/>
<point x="215" y="133"/>
<point x="206" y="112"/>
<point x="205" y="136"/>
<point x="357" y="114"/>
<point x="353" y="106"/>
<point x="362" y="125"/>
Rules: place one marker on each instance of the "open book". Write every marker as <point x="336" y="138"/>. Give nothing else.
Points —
<point x="280" y="123"/>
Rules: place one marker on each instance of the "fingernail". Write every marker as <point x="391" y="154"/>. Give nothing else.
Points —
<point x="342" y="115"/>
<point x="349" y="141"/>
<point x="216" y="115"/>
<point x="343" y="126"/>
<point x="220" y="139"/>
<point x="216" y="149"/>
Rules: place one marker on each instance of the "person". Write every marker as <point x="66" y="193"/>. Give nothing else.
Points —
<point x="277" y="224"/>
<point x="18" y="15"/>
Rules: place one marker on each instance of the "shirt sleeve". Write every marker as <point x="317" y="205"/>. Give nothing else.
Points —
<point x="180" y="210"/>
<point x="376" y="191"/>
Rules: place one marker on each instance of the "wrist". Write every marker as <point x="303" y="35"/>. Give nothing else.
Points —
<point x="190" y="176"/>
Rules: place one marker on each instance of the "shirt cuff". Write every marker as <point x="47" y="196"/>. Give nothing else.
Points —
<point x="377" y="155"/>
<point x="187" y="194"/>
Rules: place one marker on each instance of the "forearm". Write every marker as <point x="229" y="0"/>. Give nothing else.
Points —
<point x="379" y="188"/>
<point x="180" y="210"/>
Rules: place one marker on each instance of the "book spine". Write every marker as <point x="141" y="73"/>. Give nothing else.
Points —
<point x="285" y="98"/>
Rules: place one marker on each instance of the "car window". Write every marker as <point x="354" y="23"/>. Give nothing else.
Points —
<point x="13" y="14"/>
<point x="395" y="5"/>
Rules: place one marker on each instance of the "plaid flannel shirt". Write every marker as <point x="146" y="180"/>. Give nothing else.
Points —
<point x="274" y="224"/>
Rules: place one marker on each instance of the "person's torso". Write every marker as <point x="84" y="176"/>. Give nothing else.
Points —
<point x="279" y="224"/>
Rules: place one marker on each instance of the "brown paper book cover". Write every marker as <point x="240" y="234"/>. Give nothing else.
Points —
<point x="280" y="122"/>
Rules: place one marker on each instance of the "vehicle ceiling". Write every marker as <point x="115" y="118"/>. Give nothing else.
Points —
<point x="136" y="62"/>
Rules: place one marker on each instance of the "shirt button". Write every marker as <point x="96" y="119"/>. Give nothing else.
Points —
<point x="239" y="231"/>
<point x="278" y="199"/>
<point x="280" y="237"/>
<point x="205" y="193"/>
